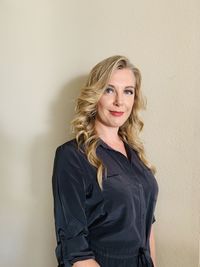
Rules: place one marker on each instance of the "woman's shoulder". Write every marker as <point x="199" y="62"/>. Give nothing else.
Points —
<point x="69" y="149"/>
<point x="71" y="157"/>
<point x="71" y="144"/>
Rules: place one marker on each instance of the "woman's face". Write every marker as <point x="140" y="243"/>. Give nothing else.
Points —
<point x="115" y="105"/>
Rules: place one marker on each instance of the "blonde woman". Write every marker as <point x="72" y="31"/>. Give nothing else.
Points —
<point x="104" y="188"/>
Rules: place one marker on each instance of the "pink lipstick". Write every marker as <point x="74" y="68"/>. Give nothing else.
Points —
<point x="117" y="113"/>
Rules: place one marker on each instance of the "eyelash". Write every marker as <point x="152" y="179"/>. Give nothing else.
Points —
<point x="129" y="92"/>
<point x="110" y="90"/>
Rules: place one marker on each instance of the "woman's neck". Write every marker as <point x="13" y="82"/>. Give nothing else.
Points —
<point x="108" y="134"/>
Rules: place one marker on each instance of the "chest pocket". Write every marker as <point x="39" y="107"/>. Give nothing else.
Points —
<point x="125" y="196"/>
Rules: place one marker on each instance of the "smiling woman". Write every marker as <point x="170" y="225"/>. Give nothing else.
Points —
<point x="116" y="103"/>
<point x="104" y="188"/>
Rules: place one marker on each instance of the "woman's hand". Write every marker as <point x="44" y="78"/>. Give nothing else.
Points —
<point x="86" y="263"/>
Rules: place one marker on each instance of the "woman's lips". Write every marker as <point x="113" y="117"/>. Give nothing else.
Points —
<point x="117" y="113"/>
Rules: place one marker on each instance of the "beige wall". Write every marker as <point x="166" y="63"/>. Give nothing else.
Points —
<point x="46" y="49"/>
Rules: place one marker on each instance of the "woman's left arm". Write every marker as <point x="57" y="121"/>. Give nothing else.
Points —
<point x="152" y="246"/>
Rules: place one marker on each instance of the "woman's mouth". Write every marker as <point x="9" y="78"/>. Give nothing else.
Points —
<point x="116" y="113"/>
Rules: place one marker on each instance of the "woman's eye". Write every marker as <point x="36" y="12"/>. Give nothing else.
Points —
<point x="109" y="90"/>
<point x="129" y="92"/>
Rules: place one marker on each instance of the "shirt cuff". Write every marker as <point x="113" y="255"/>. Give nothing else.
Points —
<point x="75" y="249"/>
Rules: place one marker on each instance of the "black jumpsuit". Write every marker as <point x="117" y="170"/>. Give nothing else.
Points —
<point x="111" y="226"/>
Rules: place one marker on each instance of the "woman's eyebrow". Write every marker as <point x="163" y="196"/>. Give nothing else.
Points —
<point x="127" y="87"/>
<point x="130" y="87"/>
<point x="111" y="85"/>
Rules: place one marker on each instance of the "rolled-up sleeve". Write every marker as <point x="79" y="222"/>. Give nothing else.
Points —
<point x="69" y="208"/>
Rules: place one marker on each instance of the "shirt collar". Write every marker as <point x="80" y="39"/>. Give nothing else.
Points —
<point x="101" y="143"/>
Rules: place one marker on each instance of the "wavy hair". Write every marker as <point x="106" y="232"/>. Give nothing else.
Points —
<point x="83" y="125"/>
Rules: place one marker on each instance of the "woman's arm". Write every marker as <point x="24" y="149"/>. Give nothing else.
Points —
<point x="152" y="246"/>
<point x="86" y="263"/>
<point x="69" y="207"/>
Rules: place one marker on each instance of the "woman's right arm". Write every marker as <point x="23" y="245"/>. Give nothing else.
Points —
<point x="69" y="210"/>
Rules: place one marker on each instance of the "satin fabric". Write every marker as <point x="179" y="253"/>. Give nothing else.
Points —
<point x="119" y="216"/>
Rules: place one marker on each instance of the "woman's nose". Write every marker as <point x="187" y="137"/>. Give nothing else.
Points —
<point x="118" y="99"/>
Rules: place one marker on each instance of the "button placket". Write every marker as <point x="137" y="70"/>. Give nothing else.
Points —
<point x="142" y="212"/>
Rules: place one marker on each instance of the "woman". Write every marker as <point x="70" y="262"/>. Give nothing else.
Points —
<point x="104" y="189"/>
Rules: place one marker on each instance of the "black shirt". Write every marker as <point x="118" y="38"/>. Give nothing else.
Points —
<point x="119" y="215"/>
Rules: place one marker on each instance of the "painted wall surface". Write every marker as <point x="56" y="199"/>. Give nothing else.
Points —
<point x="46" y="49"/>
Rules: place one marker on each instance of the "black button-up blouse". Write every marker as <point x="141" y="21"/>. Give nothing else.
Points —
<point x="119" y="215"/>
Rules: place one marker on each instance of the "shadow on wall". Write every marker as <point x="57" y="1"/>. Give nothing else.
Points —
<point x="41" y="235"/>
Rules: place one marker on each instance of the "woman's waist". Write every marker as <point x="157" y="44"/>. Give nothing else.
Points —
<point x="117" y="238"/>
<point x="116" y="249"/>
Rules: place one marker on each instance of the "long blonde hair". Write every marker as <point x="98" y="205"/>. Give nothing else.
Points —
<point x="83" y="125"/>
